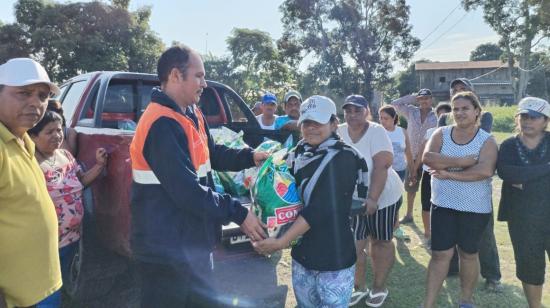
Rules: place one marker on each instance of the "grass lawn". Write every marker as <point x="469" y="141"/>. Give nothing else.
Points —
<point x="408" y="277"/>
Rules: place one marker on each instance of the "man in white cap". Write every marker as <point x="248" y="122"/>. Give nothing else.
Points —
<point x="289" y="122"/>
<point x="29" y="260"/>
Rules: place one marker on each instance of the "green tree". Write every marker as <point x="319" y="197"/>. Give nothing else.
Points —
<point x="73" y="38"/>
<point x="406" y="81"/>
<point x="539" y="85"/>
<point x="521" y="24"/>
<point x="220" y="69"/>
<point x="487" y="51"/>
<point x="256" y="64"/>
<point x="352" y="43"/>
<point x="14" y="42"/>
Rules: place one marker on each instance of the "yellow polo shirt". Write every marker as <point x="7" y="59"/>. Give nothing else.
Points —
<point x="29" y="255"/>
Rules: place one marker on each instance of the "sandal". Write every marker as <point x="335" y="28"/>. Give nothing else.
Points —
<point x="357" y="296"/>
<point x="369" y="301"/>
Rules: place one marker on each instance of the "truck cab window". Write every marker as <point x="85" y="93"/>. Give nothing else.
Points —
<point x="237" y="115"/>
<point x="211" y="107"/>
<point x="119" y="106"/>
<point x="72" y="98"/>
<point x="144" y="93"/>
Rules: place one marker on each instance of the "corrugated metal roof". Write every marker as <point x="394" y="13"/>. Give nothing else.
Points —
<point x="457" y="65"/>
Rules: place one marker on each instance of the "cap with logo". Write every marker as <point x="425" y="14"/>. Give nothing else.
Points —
<point x="356" y="100"/>
<point x="534" y="106"/>
<point x="269" y="98"/>
<point x="317" y="108"/>
<point x="291" y="94"/>
<point x="20" y="72"/>
<point x="467" y="83"/>
<point x="424" y="92"/>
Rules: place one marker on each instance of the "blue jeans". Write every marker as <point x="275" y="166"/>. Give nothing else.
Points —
<point x="322" y="288"/>
<point x="66" y="255"/>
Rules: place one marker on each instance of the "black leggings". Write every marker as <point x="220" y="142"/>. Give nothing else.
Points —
<point x="426" y="191"/>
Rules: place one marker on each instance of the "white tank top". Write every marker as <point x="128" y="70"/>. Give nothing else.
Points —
<point x="399" y="145"/>
<point x="260" y="120"/>
<point x="474" y="196"/>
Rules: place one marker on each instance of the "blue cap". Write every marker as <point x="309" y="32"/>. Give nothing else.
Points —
<point x="269" y="98"/>
<point x="356" y="100"/>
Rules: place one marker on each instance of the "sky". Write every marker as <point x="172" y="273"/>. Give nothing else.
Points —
<point x="447" y="31"/>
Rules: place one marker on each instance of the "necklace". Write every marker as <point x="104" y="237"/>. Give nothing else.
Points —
<point x="527" y="155"/>
<point x="50" y="161"/>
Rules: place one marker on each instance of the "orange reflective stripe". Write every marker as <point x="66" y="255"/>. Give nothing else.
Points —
<point x="197" y="141"/>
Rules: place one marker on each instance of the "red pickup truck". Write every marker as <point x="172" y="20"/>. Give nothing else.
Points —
<point x="104" y="108"/>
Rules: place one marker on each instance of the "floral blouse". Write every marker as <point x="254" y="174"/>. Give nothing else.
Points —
<point x="65" y="189"/>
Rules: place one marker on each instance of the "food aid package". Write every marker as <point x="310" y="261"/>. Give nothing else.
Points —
<point x="218" y="187"/>
<point x="275" y="195"/>
<point x="232" y="182"/>
<point x="250" y="174"/>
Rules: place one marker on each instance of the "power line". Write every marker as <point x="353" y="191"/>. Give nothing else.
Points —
<point x="441" y="23"/>
<point x="442" y="34"/>
<point x="490" y="72"/>
<point x="537" y="67"/>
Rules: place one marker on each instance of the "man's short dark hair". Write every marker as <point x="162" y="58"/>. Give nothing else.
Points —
<point x="446" y="107"/>
<point x="176" y="56"/>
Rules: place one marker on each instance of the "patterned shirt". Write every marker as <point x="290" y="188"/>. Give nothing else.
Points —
<point x="471" y="196"/>
<point x="415" y="127"/>
<point x="65" y="189"/>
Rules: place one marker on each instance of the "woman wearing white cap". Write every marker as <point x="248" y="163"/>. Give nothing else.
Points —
<point x="327" y="172"/>
<point x="524" y="166"/>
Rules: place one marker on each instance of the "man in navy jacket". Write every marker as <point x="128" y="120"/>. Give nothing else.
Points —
<point x="176" y="214"/>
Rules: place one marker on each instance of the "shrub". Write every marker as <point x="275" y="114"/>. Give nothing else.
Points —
<point x="503" y="118"/>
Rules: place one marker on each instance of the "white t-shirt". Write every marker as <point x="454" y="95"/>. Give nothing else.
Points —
<point x="376" y="140"/>
<point x="260" y="120"/>
<point x="397" y="138"/>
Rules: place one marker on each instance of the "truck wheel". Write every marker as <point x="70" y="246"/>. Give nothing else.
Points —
<point x="94" y="270"/>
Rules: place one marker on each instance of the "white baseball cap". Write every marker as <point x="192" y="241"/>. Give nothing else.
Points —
<point x="20" y="72"/>
<point x="317" y="108"/>
<point x="534" y="106"/>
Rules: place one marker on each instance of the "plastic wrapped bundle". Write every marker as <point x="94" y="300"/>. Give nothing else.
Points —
<point x="250" y="174"/>
<point x="218" y="187"/>
<point x="276" y="198"/>
<point x="232" y="182"/>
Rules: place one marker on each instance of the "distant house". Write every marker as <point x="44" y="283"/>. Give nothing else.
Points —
<point x="490" y="79"/>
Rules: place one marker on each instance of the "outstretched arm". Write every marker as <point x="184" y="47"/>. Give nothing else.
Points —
<point x="86" y="178"/>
